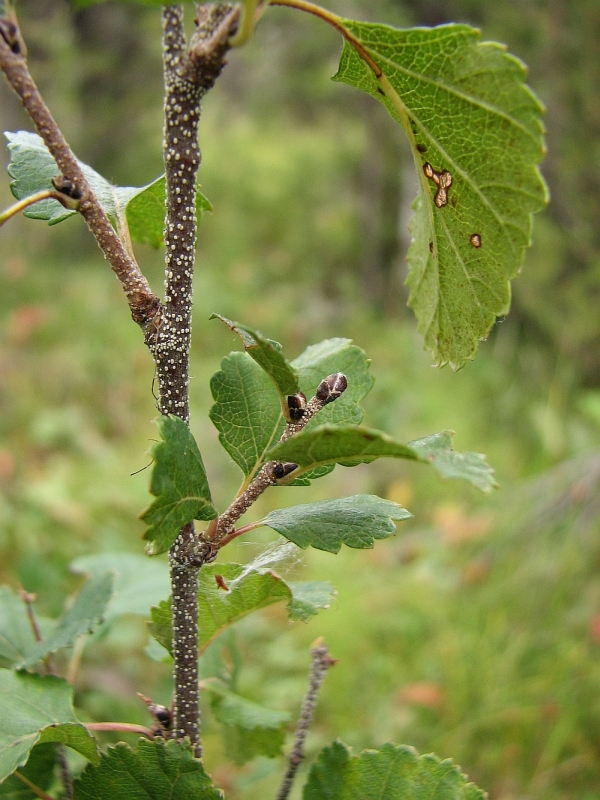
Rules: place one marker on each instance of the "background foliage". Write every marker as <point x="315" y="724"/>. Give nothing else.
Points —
<point x="475" y="633"/>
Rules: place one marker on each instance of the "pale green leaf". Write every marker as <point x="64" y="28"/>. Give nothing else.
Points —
<point x="392" y="772"/>
<point x="81" y="618"/>
<point x="350" y="445"/>
<point x="467" y="111"/>
<point x="32" y="168"/>
<point x="36" y="709"/>
<point x="251" y="729"/>
<point x="179" y="484"/>
<point x="354" y="521"/>
<point x="267" y="354"/>
<point x="247" y="412"/>
<point x="153" y="771"/>
<point x="140" y="582"/>
<point x="39" y="770"/>
<point x="249" y="588"/>
<point x="16" y="636"/>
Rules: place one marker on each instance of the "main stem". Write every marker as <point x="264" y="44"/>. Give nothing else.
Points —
<point x="188" y="74"/>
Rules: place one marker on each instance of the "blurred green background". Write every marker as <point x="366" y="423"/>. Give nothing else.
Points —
<point x="476" y="632"/>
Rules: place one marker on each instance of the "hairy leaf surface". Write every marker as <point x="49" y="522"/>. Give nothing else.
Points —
<point x="81" y="618"/>
<point x="32" y="168"/>
<point x="350" y="445"/>
<point x="252" y="729"/>
<point x="179" y="484"/>
<point x="354" y="521"/>
<point x="467" y="112"/>
<point x="248" y="589"/>
<point x="393" y="772"/>
<point x="153" y="771"/>
<point x="36" y="709"/>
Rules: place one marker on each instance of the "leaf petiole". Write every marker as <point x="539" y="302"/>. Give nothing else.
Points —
<point x="45" y="194"/>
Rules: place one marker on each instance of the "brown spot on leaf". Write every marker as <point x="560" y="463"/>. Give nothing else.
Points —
<point x="475" y="240"/>
<point x="443" y="180"/>
<point x="431" y="247"/>
<point x="220" y="581"/>
<point x="421" y="148"/>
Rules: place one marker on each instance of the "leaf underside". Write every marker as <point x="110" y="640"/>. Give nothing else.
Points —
<point x="467" y="111"/>
<point x="393" y="772"/>
<point x="32" y="168"/>
<point x="354" y="521"/>
<point x="248" y="589"/>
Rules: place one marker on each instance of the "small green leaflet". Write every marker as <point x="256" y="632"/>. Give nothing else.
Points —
<point x="32" y="168"/>
<point x="81" y="618"/>
<point x="267" y="354"/>
<point x="16" y="637"/>
<point x="153" y="771"/>
<point x="39" y="770"/>
<point x="36" y="709"/>
<point x="247" y="411"/>
<point x="249" y="588"/>
<point x="350" y="445"/>
<point x="251" y="729"/>
<point x="393" y="772"/>
<point x="140" y="582"/>
<point x="468" y="114"/>
<point x="354" y="521"/>
<point x="179" y="484"/>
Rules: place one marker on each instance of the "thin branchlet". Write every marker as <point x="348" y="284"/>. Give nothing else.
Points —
<point x="143" y="303"/>
<point x="270" y="473"/>
<point x="321" y="662"/>
<point x="189" y="72"/>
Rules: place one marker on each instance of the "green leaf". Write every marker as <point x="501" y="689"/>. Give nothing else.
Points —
<point x="354" y="521"/>
<point x="39" y="770"/>
<point x="140" y="582"/>
<point x="249" y="588"/>
<point x="32" y="168"/>
<point x="153" y="771"/>
<point x="37" y="709"/>
<point x="179" y="484"/>
<point x="83" y="616"/>
<point x="393" y="772"/>
<point x="267" y="354"/>
<point x="467" y="111"/>
<point x="350" y="445"/>
<point x="16" y="637"/>
<point x="251" y="729"/>
<point x="247" y="411"/>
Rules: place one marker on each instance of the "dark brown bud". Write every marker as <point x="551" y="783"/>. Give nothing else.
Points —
<point x="331" y="388"/>
<point x="65" y="186"/>
<point x="163" y="715"/>
<point x="280" y="470"/>
<point x="10" y="34"/>
<point x="297" y="405"/>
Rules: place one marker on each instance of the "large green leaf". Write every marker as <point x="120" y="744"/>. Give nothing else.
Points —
<point x="251" y="729"/>
<point x="350" y="445"/>
<point x="392" y="772"/>
<point x="249" y="588"/>
<point x="153" y="771"/>
<point x="354" y="521"/>
<point x="247" y="411"/>
<point x="179" y="484"/>
<point x="39" y="770"/>
<point x="32" y="168"/>
<point x="37" y="709"/>
<point x="467" y="112"/>
<point x="267" y="354"/>
<point x="140" y="582"/>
